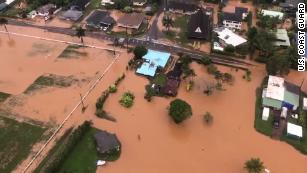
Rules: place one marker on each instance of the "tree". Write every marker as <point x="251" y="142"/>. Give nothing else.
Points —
<point x="264" y="42"/>
<point x="278" y="64"/>
<point x="254" y="165"/>
<point x="139" y="52"/>
<point x="251" y="36"/>
<point x="121" y="4"/>
<point x="128" y="9"/>
<point x="249" y="19"/>
<point x="167" y="22"/>
<point x="206" y="60"/>
<point x="4" y="22"/>
<point x="208" y="118"/>
<point x="212" y="69"/>
<point x="268" y="22"/>
<point x="179" y="110"/>
<point x="230" y="48"/>
<point x="127" y="99"/>
<point x="80" y="33"/>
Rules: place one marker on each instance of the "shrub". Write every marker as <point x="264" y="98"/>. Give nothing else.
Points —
<point x="140" y="51"/>
<point x="227" y="77"/>
<point x="208" y="118"/>
<point x="127" y="9"/>
<point x="206" y="60"/>
<point x="212" y="69"/>
<point x="112" y="88"/>
<point x="230" y="49"/>
<point x="179" y="110"/>
<point x="102" y="99"/>
<point x="127" y="99"/>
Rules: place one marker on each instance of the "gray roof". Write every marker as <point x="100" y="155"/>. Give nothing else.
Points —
<point x="106" y="141"/>
<point x="73" y="15"/>
<point x="131" y="20"/>
<point x="100" y="17"/>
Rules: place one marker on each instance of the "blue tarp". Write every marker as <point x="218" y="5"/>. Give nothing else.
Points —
<point x="153" y="60"/>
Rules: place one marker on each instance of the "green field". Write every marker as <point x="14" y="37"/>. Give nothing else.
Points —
<point x="17" y="139"/>
<point x="83" y="157"/>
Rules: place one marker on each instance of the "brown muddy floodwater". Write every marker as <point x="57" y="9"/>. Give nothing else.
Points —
<point x="193" y="146"/>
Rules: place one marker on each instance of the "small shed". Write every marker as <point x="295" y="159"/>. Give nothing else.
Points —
<point x="305" y="103"/>
<point x="106" y="142"/>
<point x="265" y="113"/>
<point x="294" y="130"/>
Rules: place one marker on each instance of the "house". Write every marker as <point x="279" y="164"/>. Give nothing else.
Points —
<point x="271" y="13"/>
<point x="131" y="20"/>
<point x="72" y="14"/>
<point x="80" y="4"/>
<point x="107" y="2"/>
<point x="280" y="93"/>
<point x="152" y="61"/>
<point x="5" y="3"/>
<point x="290" y="6"/>
<point x="282" y="38"/>
<point x="46" y="10"/>
<point x="182" y="7"/>
<point x="100" y="20"/>
<point x="234" y="20"/>
<point x="139" y="3"/>
<point x="173" y="80"/>
<point x="200" y="25"/>
<point x="106" y="142"/>
<point x="228" y="37"/>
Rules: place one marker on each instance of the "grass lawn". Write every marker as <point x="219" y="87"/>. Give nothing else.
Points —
<point x="266" y="127"/>
<point x="50" y="80"/>
<point x="17" y="139"/>
<point x="160" y="79"/>
<point x="181" y="37"/>
<point x="72" y="51"/>
<point x="4" y="96"/>
<point x="83" y="157"/>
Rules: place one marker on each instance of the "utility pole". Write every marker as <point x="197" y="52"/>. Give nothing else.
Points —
<point x="83" y="107"/>
<point x="127" y="36"/>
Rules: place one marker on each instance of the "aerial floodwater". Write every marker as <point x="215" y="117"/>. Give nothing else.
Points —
<point x="62" y="82"/>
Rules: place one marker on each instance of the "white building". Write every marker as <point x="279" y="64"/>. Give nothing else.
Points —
<point x="271" y="13"/>
<point x="228" y="37"/>
<point x="107" y="2"/>
<point x="234" y="20"/>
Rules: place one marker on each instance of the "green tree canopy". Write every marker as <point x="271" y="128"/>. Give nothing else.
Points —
<point x="167" y="22"/>
<point x="80" y="33"/>
<point x="254" y="165"/>
<point x="179" y="110"/>
<point x="139" y="52"/>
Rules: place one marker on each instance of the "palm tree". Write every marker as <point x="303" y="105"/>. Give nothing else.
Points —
<point x="4" y="22"/>
<point x="254" y="165"/>
<point x="80" y="33"/>
<point x="167" y="22"/>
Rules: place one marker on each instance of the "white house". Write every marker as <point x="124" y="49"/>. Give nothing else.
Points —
<point x="139" y="3"/>
<point x="234" y="20"/>
<point x="228" y="37"/>
<point x="107" y="2"/>
<point x="271" y="13"/>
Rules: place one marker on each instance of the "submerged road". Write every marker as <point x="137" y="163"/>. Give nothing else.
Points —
<point x="148" y="42"/>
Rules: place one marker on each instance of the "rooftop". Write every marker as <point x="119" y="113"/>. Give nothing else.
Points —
<point x="199" y="25"/>
<point x="183" y="6"/>
<point x="73" y="15"/>
<point x="282" y="38"/>
<point x="131" y="20"/>
<point x="98" y="16"/>
<point x="153" y="60"/>
<point x="229" y="37"/>
<point x="270" y="13"/>
<point x="106" y="141"/>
